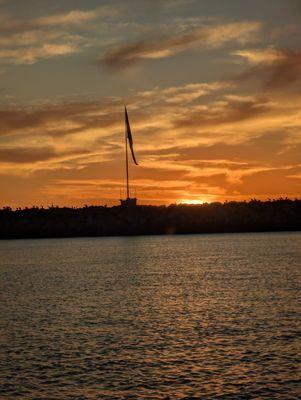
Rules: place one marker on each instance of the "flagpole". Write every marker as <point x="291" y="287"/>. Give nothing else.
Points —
<point x="127" y="165"/>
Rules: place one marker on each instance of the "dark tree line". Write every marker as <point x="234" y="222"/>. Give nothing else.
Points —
<point x="252" y="216"/>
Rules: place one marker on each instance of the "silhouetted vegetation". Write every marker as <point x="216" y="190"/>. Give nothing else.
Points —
<point x="252" y="216"/>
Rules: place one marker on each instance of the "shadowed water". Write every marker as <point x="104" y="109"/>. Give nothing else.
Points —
<point x="197" y="316"/>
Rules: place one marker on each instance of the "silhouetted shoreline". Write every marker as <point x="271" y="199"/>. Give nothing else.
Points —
<point x="55" y="222"/>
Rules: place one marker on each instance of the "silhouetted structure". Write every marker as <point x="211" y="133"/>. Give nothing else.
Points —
<point x="252" y="216"/>
<point x="128" y="202"/>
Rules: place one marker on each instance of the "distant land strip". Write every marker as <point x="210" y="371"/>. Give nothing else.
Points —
<point x="55" y="222"/>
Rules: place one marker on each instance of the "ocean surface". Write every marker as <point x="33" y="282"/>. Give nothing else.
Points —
<point x="159" y="317"/>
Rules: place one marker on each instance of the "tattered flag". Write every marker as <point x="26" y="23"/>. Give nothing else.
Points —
<point x="129" y="136"/>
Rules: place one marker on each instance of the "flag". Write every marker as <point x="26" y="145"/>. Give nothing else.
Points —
<point x="129" y="135"/>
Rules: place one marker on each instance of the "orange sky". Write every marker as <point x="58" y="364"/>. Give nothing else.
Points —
<point x="213" y="95"/>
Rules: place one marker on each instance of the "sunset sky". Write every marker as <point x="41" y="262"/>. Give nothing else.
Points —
<point x="213" y="90"/>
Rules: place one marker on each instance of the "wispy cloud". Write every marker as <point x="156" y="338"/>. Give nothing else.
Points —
<point x="226" y="112"/>
<point x="183" y="94"/>
<point x="26" y="41"/>
<point x="205" y="37"/>
<point x="30" y="55"/>
<point x="197" y="134"/>
<point x="73" y="18"/>
<point x="210" y="145"/>
<point x="261" y="56"/>
<point x="274" y="68"/>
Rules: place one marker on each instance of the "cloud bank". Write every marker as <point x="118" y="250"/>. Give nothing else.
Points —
<point x="205" y="37"/>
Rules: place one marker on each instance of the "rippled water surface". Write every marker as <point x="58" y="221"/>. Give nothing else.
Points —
<point x="200" y="316"/>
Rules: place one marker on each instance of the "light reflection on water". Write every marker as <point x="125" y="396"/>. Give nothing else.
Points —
<point x="209" y="316"/>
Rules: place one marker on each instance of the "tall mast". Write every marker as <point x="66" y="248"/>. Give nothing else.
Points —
<point x="127" y="163"/>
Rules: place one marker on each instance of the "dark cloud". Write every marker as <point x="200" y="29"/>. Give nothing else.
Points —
<point x="230" y="112"/>
<point x="160" y="47"/>
<point x="83" y="115"/>
<point x="130" y="54"/>
<point x="14" y="119"/>
<point x="277" y="74"/>
<point x="269" y="150"/>
<point x="29" y="155"/>
<point x="266" y="150"/>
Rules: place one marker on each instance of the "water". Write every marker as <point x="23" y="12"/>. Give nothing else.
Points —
<point x="199" y="316"/>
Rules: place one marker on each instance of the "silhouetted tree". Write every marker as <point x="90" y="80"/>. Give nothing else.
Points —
<point x="255" y="215"/>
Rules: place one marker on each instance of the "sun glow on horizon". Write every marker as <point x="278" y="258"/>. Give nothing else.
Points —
<point x="213" y="102"/>
<point x="192" y="201"/>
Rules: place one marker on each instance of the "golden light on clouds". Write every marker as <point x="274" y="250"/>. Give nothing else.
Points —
<point x="213" y="98"/>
